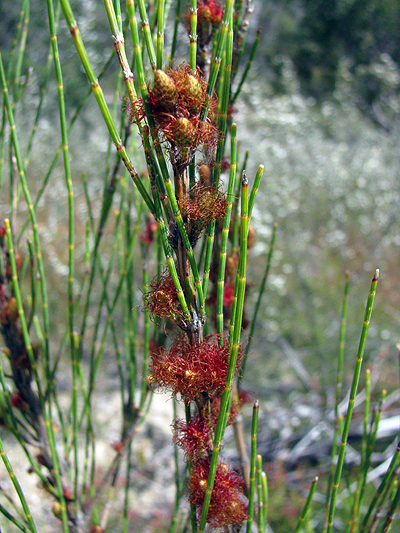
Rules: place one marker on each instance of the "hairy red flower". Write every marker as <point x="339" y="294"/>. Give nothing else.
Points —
<point x="228" y="505"/>
<point x="203" y="204"/>
<point x="162" y="299"/>
<point x="190" y="370"/>
<point x="193" y="437"/>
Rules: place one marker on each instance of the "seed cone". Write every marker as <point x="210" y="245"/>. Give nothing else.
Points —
<point x="184" y="133"/>
<point x="164" y="89"/>
<point x="194" y="94"/>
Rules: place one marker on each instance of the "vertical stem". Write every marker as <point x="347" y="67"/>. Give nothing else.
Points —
<point x="175" y="32"/>
<point x="216" y="63"/>
<point x="160" y="33"/>
<point x="339" y="381"/>
<point x="380" y="491"/>
<point x="260" y="514"/>
<point x="32" y="216"/>
<point x="225" y="234"/>
<point x="234" y="342"/>
<point x="147" y="34"/>
<point x="99" y="95"/>
<point x="353" y="391"/>
<point x="253" y="466"/>
<point x="17" y="487"/>
<point x="71" y="229"/>
<point x="193" y="34"/>
<point x="306" y="506"/>
<point x="265" y="498"/>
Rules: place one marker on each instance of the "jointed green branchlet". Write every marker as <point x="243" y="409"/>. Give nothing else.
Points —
<point x="353" y="391"/>
<point x="225" y="232"/>
<point x="253" y="466"/>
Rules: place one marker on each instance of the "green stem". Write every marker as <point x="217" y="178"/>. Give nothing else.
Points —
<point x="234" y="342"/>
<point x="147" y="34"/>
<point x="160" y="33"/>
<point x="32" y="215"/>
<point x="18" y="489"/>
<point x="99" y="95"/>
<point x="339" y="382"/>
<point x="71" y="230"/>
<point x="248" y="66"/>
<point x="225" y="234"/>
<point x="216" y="62"/>
<point x="260" y="514"/>
<point x="175" y="32"/>
<point x="378" y="497"/>
<point x="260" y="295"/>
<point x="353" y="391"/>
<point x="306" y="506"/>
<point x="193" y="34"/>
<point x="253" y="466"/>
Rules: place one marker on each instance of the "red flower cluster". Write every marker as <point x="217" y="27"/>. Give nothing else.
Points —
<point x="203" y="204"/>
<point x="209" y="18"/>
<point x="162" y="299"/>
<point x="193" y="437"/>
<point x="228" y="505"/>
<point x="149" y="231"/>
<point x="190" y="370"/>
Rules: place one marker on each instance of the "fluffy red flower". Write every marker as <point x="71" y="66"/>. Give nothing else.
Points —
<point x="162" y="299"/>
<point x="193" y="437"/>
<point x="190" y="370"/>
<point x="228" y="505"/>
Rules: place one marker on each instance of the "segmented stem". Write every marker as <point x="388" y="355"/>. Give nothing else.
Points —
<point x="71" y="227"/>
<point x="378" y="497"/>
<point x="216" y="62"/>
<point x="147" y="34"/>
<point x="160" y="33"/>
<point x="99" y="95"/>
<point x="306" y="506"/>
<point x="193" y="34"/>
<point x="248" y="66"/>
<point x="234" y="342"/>
<point x="225" y="235"/>
<point x="259" y="298"/>
<point x="18" y="490"/>
<point x="253" y="466"/>
<point x="260" y="514"/>
<point x="32" y="216"/>
<point x="353" y="390"/>
<point x="220" y="149"/>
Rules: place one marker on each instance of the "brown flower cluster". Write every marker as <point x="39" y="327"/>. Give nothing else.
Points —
<point x="191" y="370"/>
<point x="228" y="504"/>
